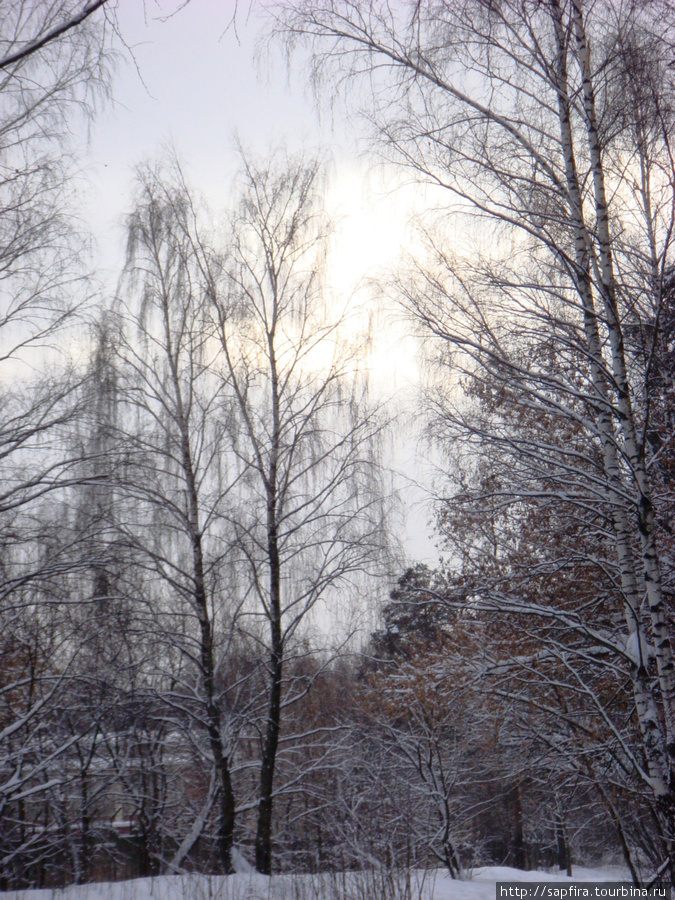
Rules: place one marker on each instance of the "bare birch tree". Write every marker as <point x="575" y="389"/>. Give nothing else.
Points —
<point x="310" y="520"/>
<point x="177" y="480"/>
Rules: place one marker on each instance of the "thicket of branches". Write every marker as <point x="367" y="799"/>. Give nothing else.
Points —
<point x="550" y="124"/>
<point x="179" y="514"/>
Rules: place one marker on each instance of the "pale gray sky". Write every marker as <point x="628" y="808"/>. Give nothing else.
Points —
<point x="195" y="82"/>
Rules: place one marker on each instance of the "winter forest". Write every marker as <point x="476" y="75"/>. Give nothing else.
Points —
<point x="217" y="651"/>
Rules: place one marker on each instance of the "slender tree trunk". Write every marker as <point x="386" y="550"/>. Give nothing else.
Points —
<point x="226" y="819"/>
<point x="85" y="837"/>
<point x="263" y="840"/>
<point x="227" y="809"/>
<point x="618" y="826"/>
<point x="519" y="849"/>
<point x="562" y="845"/>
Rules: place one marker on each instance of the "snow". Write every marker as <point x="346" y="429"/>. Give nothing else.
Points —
<point x="478" y="884"/>
<point x="638" y="649"/>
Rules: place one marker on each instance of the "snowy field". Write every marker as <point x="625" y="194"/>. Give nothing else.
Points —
<point x="478" y="885"/>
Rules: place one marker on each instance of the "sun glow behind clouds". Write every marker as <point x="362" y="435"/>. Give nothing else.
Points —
<point x="370" y="229"/>
<point x="371" y="239"/>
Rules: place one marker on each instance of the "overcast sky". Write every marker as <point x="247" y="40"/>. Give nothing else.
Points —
<point x="194" y="81"/>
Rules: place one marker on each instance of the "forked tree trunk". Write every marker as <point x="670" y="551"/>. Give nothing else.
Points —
<point x="657" y="750"/>
<point x="226" y="808"/>
<point x="629" y="431"/>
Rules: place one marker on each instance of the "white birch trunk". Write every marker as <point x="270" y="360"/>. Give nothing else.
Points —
<point x="629" y="432"/>
<point x="657" y="762"/>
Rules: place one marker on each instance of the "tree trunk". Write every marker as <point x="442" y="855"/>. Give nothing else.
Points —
<point x="519" y="850"/>
<point x="221" y="762"/>
<point x="657" y="764"/>
<point x="562" y="846"/>
<point x="227" y="810"/>
<point x="263" y="841"/>
<point x="635" y="452"/>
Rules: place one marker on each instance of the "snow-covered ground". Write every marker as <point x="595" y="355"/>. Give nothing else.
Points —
<point x="478" y="885"/>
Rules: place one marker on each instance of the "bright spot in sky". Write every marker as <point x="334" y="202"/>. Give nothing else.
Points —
<point x="371" y="241"/>
<point x="370" y="229"/>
